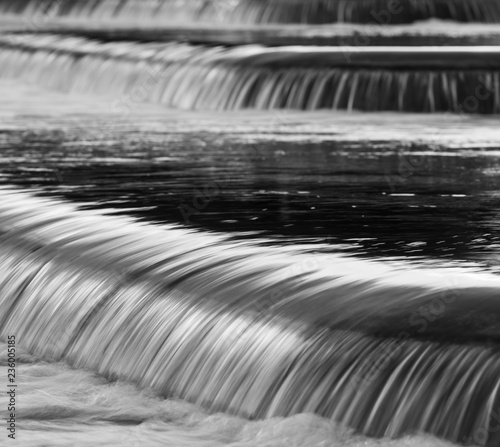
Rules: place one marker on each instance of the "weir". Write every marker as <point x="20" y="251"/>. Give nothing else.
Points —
<point x="257" y="328"/>
<point x="455" y="79"/>
<point x="260" y="11"/>
<point x="250" y="330"/>
<point x="356" y="36"/>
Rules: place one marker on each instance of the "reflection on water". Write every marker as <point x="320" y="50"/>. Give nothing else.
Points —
<point x="430" y="203"/>
<point x="385" y="199"/>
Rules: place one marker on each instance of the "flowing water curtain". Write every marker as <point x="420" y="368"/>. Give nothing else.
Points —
<point x="207" y="78"/>
<point x="170" y="309"/>
<point x="262" y="11"/>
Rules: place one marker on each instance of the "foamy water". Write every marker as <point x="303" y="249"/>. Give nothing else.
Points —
<point x="61" y="406"/>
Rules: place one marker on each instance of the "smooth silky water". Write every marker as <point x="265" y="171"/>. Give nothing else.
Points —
<point x="199" y="77"/>
<point x="279" y="279"/>
<point x="277" y="290"/>
<point x="258" y="11"/>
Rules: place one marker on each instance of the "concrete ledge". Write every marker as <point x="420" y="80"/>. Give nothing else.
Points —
<point x="431" y="33"/>
<point x="396" y="57"/>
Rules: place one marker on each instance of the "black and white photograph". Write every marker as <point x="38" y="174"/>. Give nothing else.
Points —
<point x="250" y="223"/>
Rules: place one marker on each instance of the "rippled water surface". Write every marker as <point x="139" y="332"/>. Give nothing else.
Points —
<point x="383" y="199"/>
<point x="378" y="188"/>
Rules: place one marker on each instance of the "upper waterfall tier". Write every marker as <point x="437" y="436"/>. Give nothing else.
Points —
<point x="383" y="12"/>
<point x="454" y="79"/>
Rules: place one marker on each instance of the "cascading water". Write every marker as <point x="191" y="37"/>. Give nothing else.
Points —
<point x="197" y="77"/>
<point x="233" y="328"/>
<point x="388" y="342"/>
<point x="262" y="11"/>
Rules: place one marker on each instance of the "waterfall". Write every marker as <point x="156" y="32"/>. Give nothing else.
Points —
<point x="386" y="347"/>
<point x="250" y="330"/>
<point x="261" y="11"/>
<point x="459" y="80"/>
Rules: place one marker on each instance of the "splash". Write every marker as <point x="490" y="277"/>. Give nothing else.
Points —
<point x="63" y="406"/>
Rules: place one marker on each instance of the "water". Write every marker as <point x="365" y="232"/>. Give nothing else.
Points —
<point x="92" y="410"/>
<point x="237" y="328"/>
<point x="261" y="11"/>
<point x="271" y="293"/>
<point x="322" y="193"/>
<point x="211" y="254"/>
<point x="456" y="80"/>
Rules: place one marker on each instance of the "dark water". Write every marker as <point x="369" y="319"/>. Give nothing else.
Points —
<point x="259" y="289"/>
<point x="262" y="276"/>
<point x="391" y="200"/>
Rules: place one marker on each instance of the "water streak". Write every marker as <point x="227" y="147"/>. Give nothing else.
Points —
<point x="197" y="77"/>
<point x="63" y="406"/>
<point x="248" y="330"/>
<point x="261" y="11"/>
